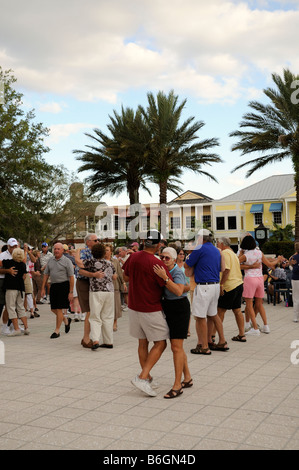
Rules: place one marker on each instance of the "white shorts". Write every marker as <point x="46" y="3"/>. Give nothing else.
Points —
<point x="205" y="300"/>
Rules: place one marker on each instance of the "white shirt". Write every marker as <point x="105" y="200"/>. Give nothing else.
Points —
<point x="5" y="255"/>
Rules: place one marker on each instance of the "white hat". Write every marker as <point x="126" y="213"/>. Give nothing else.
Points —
<point x="204" y="232"/>
<point x="12" y="242"/>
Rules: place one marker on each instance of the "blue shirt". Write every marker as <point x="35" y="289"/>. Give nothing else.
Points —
<point x="179" y="278"/>
<point x="206" y="260"/>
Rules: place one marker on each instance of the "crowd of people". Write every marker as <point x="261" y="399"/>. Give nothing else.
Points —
<point x="161" y="284"/>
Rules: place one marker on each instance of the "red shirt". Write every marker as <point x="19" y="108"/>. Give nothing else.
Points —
<point x="145" y="287"/>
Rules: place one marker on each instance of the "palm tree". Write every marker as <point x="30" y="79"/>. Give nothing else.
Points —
<point x="174" y="147"/>
<point x="282" y="234"/>
<point x="117" y="162"/>
<point x="272" y="131"/>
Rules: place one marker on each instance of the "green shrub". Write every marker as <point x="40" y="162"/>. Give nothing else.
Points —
<point x="285" y="248"/>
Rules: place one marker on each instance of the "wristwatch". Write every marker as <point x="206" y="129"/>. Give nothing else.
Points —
<point x="166" y="280"/>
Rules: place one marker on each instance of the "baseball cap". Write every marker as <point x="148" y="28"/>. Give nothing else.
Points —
<point x="153" y="237"/>
<point x="45" y="244"/>
<point x="12" y="242"/>
<point x="134" y="244"/>
<point x="204" y="232"/>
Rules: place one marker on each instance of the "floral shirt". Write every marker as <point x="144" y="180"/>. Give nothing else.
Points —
<point x="252" y="256"/>
<point x="85" y="254"/>
<point x="104" y="284"/>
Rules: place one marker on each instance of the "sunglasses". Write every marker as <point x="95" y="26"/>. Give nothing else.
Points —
<point x="167" y="258"/>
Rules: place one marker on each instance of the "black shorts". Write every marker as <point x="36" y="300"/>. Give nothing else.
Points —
<point x="231" y="300"/>
<point x="177" y="314"/>
<point x="59" y="295"/>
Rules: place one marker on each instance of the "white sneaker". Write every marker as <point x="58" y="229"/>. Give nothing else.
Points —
<point x="26" y="331"/>
<point x="5" y="330"/>
<point x="82" y="316"/>
<point x="76" y="317"/>
<point x="253" y="332"/>
<point x="265" y="329"/>
<point x="15" y="333"/>
<point x="153" y="383"/>
<point x="144" y="386"/>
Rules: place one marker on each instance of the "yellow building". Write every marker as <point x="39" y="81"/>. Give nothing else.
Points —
<point x="272" y="200"/>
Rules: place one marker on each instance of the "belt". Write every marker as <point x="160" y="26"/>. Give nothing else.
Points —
<point x="205" y="283"/>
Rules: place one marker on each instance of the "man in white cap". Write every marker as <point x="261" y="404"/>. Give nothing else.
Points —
<point x="12" y="243"/>
<point x="207" y="263"/>
<point x="147" y="321"/>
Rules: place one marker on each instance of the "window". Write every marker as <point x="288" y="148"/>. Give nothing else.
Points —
<point x="206" y="219"/>
<point x="116" y="222"/>
<point x="232" y="222"/>
<point x="220" y="224"/>
<point x="190" y="221"/>
<point x="277" y="218"/>
<point x="175" y="222"/>
<point x="144" y="223"/>
<point x="258" y="218"/>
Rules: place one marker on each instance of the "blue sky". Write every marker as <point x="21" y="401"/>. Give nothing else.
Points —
<point x="77" y="62"/>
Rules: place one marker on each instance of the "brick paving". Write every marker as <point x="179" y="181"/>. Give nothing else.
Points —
<point x="57" y="395"/>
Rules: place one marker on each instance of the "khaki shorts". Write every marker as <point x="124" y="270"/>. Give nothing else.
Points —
<point x="148" y="325"/>
<point x="82" y="288"/>
<point x="14" y="302"/>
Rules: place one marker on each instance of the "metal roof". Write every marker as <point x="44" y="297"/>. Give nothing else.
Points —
<point x="266" y="190"/>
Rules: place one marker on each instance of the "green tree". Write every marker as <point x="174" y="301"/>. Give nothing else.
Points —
<point x="25" y="177"/>
<point x="282" y="233"/>
<point x="272" y="130"/>
<point x="116" y="162"/>
<point x="173" y="146"/>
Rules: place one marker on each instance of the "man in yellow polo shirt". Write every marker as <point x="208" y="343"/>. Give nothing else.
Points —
<point x="231" y="287"/>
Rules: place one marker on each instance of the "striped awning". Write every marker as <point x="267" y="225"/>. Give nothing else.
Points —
<point x="257" y="208"/>
<point x="276" y="207"/>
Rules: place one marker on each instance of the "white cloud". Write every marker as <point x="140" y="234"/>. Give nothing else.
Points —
<point x="52" y="107"/>
<point x="97" y="50"/>
<point x="59" y="132"/>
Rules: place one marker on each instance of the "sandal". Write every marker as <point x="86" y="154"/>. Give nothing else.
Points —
<point x="173" y="393"/>
<point x="200" y="350"/>
<point x="187" y="384"/>
<point x="219" y="347"/>
<point x="240" y="338"/>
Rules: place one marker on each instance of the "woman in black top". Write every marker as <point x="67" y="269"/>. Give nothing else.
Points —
<point x="15" y="291"/>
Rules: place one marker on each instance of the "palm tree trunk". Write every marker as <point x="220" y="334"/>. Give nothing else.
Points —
<point x="163" y="202"/>
<point x="296" y="180"/>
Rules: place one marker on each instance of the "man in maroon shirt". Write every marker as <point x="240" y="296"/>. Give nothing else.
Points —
<point x="147" y="321"/>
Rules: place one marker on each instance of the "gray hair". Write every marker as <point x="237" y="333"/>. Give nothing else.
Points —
<point x="87" y="236"/>
<point x="224" y="240"/>
<point x="207" y="238"/>
<point x="171" y="251"/>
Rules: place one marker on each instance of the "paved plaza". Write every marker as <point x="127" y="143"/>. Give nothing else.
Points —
<point x="57" y="395"/>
